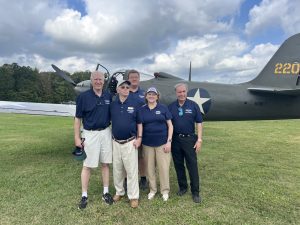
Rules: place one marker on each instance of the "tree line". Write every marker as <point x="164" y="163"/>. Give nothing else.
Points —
<point x="26" y="84"/>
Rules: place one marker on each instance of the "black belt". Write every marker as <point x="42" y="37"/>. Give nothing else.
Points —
<point x="124" y="141"/>
<point x="98" y="129"/>
<point x="185" y="135"/>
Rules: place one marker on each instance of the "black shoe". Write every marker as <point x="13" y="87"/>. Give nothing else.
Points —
<point x="181" y="192"/>
<point x="83" y="202"/>
<point x="196" y="198"/>
<point x="143" y="183"/>
<point x="125" y="185"/>
<point x="107" y="199"/>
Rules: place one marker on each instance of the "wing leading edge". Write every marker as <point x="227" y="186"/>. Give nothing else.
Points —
<point x="273" y="90"/>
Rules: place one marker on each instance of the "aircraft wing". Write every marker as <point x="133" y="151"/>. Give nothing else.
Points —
<point x="273" y="90"/>
<point x="37" y="108"/>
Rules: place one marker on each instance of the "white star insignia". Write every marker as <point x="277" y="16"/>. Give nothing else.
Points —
<point x="200" y="101"/>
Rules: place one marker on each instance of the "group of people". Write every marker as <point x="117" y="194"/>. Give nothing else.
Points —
<point x="143" y="135"/>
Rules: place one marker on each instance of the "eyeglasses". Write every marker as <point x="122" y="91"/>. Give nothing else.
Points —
<point x="123" y="87"/>
<point x="180" y="111"/>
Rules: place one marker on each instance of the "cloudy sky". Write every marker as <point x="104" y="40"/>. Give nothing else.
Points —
<point x="226" y="42"/>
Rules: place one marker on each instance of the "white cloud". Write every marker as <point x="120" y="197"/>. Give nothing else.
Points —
<point x="135" y="28"/>
<point x="21" y="23"/>
<point x="276" y="14"/>
<point x="70" y="64"/>
<point x="147" y="35"/>
<point x="225" y="57"/>
<point x="71" y="27"/>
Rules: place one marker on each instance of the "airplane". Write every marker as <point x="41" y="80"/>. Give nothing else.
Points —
<point x="273" y="94"/>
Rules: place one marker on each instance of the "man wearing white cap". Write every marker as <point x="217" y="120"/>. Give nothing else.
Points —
<point x="126" y="140"/>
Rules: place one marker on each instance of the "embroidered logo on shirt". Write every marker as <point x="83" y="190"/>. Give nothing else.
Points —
<point x="157" y="112"/>
<point x="130" y="109"/>
<point x="188" y="111"/>
<point x="141" y="96"/>
<point x="107" y="102"/>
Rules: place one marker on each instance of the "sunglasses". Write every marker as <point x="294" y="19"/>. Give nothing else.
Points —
<point x="123" y="87"/>
<point x="180" y="111"/>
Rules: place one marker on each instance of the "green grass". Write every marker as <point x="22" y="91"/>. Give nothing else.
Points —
<point x="250" y="174"/>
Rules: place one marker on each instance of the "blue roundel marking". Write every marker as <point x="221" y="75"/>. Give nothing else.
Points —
<point x="203" y="99"/>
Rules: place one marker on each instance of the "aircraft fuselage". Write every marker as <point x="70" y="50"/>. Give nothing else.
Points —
<point x="231" y="101"/>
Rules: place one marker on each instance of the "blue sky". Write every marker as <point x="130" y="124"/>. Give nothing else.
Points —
<point x="228" y="43"/>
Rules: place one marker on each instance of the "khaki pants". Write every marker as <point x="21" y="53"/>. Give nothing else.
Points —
<point x="157" y="158"/>
<point x="125" y="161"/>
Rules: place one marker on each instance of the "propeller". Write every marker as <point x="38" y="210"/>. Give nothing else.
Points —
<point x="63" y="75"/>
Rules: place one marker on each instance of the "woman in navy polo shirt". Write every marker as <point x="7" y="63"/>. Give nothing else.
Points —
<point x="157" y="137"/>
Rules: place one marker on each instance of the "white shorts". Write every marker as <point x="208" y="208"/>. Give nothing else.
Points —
<point x="98" y="147"/>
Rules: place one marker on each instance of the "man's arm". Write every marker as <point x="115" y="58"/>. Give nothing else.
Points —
<point x="139" y="137"/>
<point x="167" y="147"/>
<point x="198" y="143"/>
<point x="77" y="138"/>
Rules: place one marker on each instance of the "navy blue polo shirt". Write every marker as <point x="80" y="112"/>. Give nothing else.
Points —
<point x="138" y="96"/>
<point x="184" y="120"/>
<point x="93" y="110"/>
<point x="123" y="118"/>
<point x="155" y="128"/>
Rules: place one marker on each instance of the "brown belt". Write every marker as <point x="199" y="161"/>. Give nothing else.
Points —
<point x="123" y="141"/>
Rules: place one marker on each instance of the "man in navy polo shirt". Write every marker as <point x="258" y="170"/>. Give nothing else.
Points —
<point x="126" y="140"/>
<point x="138" y="95"/>
<point x="92" y="110"/>
<point x="186" y="144"/>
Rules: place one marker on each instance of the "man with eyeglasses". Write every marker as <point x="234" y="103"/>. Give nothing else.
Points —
<point x="186" y="144"/>
<point x="126" y="140"/>
<point x="92" y="110"/>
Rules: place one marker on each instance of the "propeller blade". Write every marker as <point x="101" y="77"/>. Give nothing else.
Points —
<point x="190" y="71"/>
<point x="63" y="75"/>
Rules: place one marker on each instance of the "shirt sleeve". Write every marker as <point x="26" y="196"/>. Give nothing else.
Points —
<point x="79" y="107"/>
<point x="168" y="114"/>
<point x="139" y="119"/>
<point x="198" y="116"/>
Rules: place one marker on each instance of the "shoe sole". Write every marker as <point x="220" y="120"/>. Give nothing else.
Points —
<point x="120" y="198"/>
<point x="181" y="194"/>
<point x="107" y="203"/>
<point x="150" y="198"/>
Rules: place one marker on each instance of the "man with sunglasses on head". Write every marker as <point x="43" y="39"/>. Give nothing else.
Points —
<point x="126" y="140"/>
<point x="186" y="144"/>
<point x="92" y="110"/>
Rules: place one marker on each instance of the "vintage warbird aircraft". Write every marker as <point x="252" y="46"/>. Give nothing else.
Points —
<point x="273" y="94"/>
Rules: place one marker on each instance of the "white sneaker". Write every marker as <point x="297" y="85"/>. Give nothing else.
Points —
<point x="165" y="197"/>
<point x="151" y="196"/>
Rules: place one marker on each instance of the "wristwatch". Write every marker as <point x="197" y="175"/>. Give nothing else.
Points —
<point x="169" y="140"/>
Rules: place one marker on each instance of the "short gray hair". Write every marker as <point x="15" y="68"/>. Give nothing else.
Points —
<point x="181" y="84"/>
<point x="96" y="72"/>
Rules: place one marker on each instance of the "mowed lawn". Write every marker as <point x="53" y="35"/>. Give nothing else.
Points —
<point x="250" y="174"/>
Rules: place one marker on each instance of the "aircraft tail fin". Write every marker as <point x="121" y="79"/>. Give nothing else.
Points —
<point x="282" y="71"/>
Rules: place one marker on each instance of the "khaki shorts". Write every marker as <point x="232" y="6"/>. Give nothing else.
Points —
<point x="98" y="147"/>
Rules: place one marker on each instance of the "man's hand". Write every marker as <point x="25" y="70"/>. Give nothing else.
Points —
<point x="137" y="142"/>
<point x="198" y="145"/>
<point x="167" y="147"/>
<point x="79" y="142"/>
